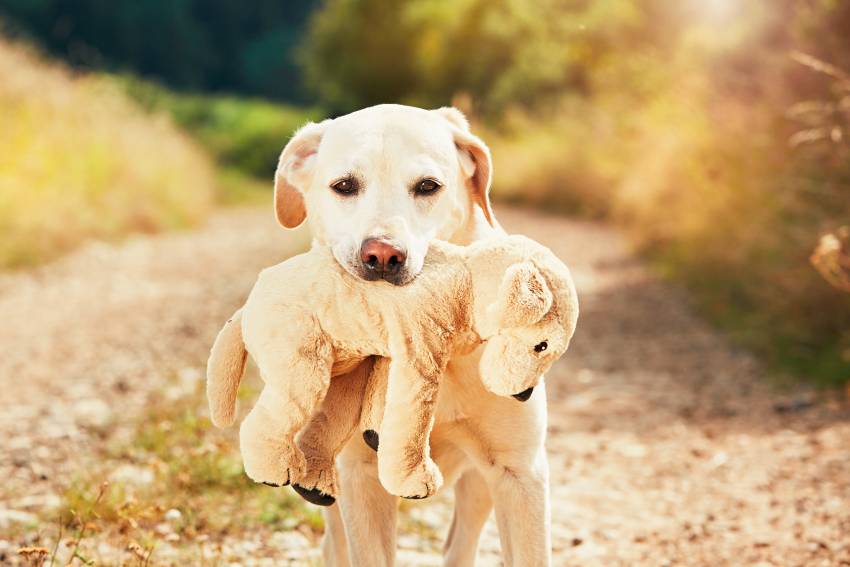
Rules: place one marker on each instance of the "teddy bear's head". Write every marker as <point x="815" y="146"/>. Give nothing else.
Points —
<point x="526" y="311"/>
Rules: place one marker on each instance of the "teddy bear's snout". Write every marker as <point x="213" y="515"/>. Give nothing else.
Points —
<point x="524" y="395"/>
<point x="382" y="258"/>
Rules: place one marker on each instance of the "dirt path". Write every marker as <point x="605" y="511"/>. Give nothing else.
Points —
<point x="666" y="445"/>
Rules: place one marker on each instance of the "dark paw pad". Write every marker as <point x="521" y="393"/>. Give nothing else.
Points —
<point x="371" y="439"/>
<point x="524" y="395"/>
<point x="314" y="495"/>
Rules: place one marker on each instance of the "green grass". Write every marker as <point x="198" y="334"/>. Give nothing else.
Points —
<point x="234" y="187"/>
<point x="243" y="134"/>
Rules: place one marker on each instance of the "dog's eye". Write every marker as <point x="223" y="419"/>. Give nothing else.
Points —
<point x="347" y="186"/>
<point x="540" y="347"/>
<point x="426" y="187"/>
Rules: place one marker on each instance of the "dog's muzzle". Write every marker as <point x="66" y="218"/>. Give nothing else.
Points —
<point x="382" y="260"/>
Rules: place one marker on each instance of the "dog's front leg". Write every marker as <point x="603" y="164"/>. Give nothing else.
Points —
<point x="506" y="442"/>
<point x="368" y="511"/>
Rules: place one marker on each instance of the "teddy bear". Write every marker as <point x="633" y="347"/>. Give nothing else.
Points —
<point x="307" y="320"/>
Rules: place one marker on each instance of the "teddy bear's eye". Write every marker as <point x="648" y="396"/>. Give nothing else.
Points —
<point x="540" y="347"/>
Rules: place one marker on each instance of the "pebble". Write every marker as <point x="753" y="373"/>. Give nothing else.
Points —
<point x="131" y="474"/>
<point x="92" y="412"/>
<point x="9" y="517"/>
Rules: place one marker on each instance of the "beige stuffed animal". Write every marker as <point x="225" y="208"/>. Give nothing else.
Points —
<point x="307" y="320"/>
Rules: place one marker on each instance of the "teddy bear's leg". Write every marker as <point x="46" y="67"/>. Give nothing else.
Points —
<point x="268" y="453"/>
<point x="405" y="467"/>
<point x="374" y="400"/>
<point x="297" y="379"/>
<point x="328" y="430"/>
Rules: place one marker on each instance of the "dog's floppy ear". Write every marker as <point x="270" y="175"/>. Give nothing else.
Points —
<point x="523" y="298"/>
<point x="294" y="172"/>
<point x="475" y="159"/>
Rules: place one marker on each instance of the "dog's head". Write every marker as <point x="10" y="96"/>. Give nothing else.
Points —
<point x="378" y="184"/>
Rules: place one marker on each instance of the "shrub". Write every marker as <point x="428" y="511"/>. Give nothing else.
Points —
<point x="78" y="159"/>
<point x="243" y="134"/>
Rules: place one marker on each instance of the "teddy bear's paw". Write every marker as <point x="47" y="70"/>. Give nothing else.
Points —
<point x="276" y="465"/>
<point x="314" y="495"/>
<point x="318" y="484"/>
<point x="421" y="481"/>
<point x="371" y="437"/>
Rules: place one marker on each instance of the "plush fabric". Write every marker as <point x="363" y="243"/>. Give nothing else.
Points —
<point x="307" y="319"/>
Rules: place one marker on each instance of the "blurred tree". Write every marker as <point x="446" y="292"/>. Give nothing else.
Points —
<point x="502" y="52"/>
<point x="195" y="44"/>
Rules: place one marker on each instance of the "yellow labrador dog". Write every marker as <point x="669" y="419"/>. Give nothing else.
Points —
<point x="377" y="186"/>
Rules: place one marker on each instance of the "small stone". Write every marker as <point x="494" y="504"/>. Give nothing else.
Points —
<point x="131" y="474"/>
<point x="9" y="517"/>
<point x="92" y="412"/>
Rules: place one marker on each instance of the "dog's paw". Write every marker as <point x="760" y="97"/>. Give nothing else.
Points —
<point x="420" y="481"/>
<point x="274" y="465"/>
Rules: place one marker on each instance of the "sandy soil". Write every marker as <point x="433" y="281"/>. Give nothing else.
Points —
<point x="667" y="445"/>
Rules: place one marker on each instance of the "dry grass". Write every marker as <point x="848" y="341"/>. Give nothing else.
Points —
<point x="832" y="258"/>
<point x="167" y="490"/>
<point x="79" y="159"/>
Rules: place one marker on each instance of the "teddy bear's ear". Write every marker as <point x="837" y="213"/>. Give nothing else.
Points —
<point x="524" y="298"/>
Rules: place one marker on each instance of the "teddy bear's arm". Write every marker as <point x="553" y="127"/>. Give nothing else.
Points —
<point x="405" y="467"/>
<point x="295" y="362"/>
<point x="331" y="426"/>
<point x="374" y="398"/>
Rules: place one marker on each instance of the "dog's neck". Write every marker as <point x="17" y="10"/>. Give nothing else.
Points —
<point x="475" y="228"/>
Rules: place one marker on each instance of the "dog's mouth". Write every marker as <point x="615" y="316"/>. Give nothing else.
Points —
<point x="394" y="273"/>
<point x="371" y="274"/>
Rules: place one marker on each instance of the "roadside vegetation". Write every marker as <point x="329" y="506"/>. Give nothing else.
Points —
<point x="242" y="134"/>
<point x="166" y="488"/>
<point x="78" y="159"/>
<point x="100" y="156"/>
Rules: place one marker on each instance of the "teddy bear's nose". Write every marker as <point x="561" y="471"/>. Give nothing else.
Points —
<point x="381" y="257"/>
<point x="524" y="395"/>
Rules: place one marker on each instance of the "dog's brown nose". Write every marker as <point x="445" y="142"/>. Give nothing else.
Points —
<point x="381" y="257"/>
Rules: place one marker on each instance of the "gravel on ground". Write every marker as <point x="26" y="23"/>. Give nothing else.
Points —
<point x="667" y="445"/>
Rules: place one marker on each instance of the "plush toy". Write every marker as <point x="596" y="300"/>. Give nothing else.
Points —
<point x="307" y="319"/>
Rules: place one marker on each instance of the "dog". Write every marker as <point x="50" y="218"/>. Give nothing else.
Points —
<point x="377" y="186"/>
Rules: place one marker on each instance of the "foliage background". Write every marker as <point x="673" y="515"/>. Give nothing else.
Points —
<point x="691" y="123"/>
